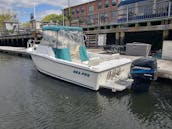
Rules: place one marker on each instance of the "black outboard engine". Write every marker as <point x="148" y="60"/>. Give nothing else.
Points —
<point x="143" y="72"/>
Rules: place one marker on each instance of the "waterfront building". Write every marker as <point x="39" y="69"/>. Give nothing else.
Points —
<point x="105" y="12"/>
<point x="97" y="12"/>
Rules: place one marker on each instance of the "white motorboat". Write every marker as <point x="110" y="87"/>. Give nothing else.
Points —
<point x="62" y="54"/>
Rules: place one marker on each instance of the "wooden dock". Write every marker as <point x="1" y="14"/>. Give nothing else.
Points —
<point x="17" y="40"/>
<point x="165" y="69"/>
<point x="14" y="50"/>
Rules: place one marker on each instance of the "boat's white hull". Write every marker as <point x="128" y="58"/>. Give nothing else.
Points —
<point x="75" y="74"/>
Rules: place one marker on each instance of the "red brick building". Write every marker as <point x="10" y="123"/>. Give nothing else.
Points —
<point x="98" y="12"/>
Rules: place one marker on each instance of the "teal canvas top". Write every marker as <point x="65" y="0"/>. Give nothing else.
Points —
<point x="58" y="28"/>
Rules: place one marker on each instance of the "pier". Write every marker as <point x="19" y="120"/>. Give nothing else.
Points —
<point x="18" y="40"/>
<point x="14" y="50"/>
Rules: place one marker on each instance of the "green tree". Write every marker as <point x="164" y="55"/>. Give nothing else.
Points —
<point x="5" y="17"/>
<point x="26" y="24"/>
<point x="69" y="17"/>
<point x="53" y="18"/>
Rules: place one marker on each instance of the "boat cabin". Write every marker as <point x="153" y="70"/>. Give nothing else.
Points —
<point x="67" y="42"/>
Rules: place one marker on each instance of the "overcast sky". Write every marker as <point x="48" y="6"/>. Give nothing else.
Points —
<point x="43" y="7"/>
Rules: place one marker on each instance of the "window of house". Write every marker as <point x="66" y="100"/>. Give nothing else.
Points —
<point x="106" y="3"/>
<point x="113" y="14"/>
<point x="113" y="2"/>
<point x="91" y="9"/>
<point x="91" y="18"/>
<point x="106" y="15"/>
<point x="99" y="5"/>
<point x="77" y="11"/>
<point x="82" y="10"/>
<point x="73" y="11"/>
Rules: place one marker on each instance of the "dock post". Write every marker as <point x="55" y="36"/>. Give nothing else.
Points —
<point x="165" y="34"/>
<point x="122" y="36"/>
<point x="12" y="42"/>
<point x="8" y="43"/>
<point x="117" y="38"/>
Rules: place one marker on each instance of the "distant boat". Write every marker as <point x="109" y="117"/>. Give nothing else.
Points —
<point x="63" y="55"/>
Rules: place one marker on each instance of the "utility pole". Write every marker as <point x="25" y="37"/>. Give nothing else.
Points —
<point x="63" y="16"/>
<point x="34" y="21"/>
<point x="34" y="9"/>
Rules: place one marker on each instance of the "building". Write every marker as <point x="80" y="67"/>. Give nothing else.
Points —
<point x="124" y="21"/>
<point x="108" y="12"/>
<point x="97" y="12"/>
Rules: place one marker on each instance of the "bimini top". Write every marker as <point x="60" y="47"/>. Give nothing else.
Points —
<point x="58" y="28"/>
<point x="125" y="2"/>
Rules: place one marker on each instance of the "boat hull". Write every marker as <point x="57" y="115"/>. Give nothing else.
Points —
<point x="77" y="75"/>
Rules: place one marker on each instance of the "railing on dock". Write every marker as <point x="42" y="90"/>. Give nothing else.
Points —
<point x="144" y="11"/>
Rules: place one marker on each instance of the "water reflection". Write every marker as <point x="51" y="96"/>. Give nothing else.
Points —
<point x="31" y="100"/>
<point x="153" y="109"/>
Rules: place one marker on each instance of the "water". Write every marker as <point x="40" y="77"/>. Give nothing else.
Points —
<point x="31" y="100"/>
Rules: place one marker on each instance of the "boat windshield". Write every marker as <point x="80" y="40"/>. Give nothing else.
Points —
<point x="61" y="37"/>
<point x="66" y="40"/>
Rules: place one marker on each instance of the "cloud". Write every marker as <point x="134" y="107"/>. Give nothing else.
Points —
<point x="30" y="3"/>
<point x="16" y="5"/>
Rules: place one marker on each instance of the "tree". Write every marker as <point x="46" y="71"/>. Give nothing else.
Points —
<point x="26" y="24"/>
<point x="55" y="18"/>
<point x="5" y="17"/>
<point x="69" y="17"/>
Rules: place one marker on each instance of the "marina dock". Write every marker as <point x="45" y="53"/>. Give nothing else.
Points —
<point x="14" y="50"/>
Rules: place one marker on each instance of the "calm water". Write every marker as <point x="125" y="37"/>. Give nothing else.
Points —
<point x="31" y="100"/>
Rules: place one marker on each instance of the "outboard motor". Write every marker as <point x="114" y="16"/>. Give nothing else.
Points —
<point x="143" y="72"/>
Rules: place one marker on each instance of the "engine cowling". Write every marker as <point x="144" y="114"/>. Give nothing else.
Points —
<point x="143" y="71"/>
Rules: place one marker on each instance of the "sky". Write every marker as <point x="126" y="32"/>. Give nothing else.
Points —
<point x="42" y="7"/>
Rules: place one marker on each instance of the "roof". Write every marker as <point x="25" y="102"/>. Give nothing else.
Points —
<point x="58" y="28"/>
<point x="80" y="4"/>
<point x="125" y="2"/>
